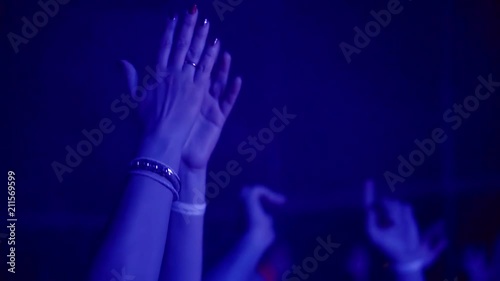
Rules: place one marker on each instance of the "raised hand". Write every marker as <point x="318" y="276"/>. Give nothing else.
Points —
<point x="242" y="261"/>
<point x="260" y="222"/>
<point x="216" y="106"/>
<point x="170" y="102"/>
<point x="398" y="237"/>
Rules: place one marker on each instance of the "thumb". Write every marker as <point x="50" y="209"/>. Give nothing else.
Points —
<point x="254" y="195"/>
<point x="273" y="197"/>
<point x="253" y="200"/>
<point x="131" y="75"/>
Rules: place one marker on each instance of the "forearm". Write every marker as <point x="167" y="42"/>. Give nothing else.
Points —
<point x="183" y="259"/>
<point x="241" y="263"/>
<point x="136" y="240"/>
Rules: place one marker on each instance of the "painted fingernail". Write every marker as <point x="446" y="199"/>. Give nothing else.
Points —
<point x="193" y="9"/>
<point x="216" y="40"/>
<point x="205" y="22"/>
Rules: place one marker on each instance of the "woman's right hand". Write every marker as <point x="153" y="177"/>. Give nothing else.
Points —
<point x="170" y="102"/>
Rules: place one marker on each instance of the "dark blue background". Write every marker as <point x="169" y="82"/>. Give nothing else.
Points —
<point x="353" y="121"/>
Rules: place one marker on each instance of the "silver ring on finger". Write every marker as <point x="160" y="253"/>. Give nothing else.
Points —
<point x="190" y="63"/>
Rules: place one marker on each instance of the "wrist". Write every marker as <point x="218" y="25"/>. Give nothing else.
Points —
<point x="194" y="175"/>
<point x="193" y="184"/>
<point x="167" y="151"/>
<point x="260" y="237"/>
<point x="258" y="246"/>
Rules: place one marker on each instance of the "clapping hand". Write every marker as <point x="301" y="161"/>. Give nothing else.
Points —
<point x="181" y="102"/>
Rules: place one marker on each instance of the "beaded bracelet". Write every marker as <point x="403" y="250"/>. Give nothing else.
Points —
<point x="159" y="172"/>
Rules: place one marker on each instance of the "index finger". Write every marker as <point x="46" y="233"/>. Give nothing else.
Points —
<point x="254" y="194"/>
<point x="166" y="43"/>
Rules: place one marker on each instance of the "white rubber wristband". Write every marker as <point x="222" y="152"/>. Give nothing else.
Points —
<point x="189" y="209"/>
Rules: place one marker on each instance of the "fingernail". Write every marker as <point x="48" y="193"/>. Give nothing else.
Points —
<point x="193" y="9"/>
<point x="205" y="22"/>
<point x="216" y="40"/>
<point x="173" y="17"/>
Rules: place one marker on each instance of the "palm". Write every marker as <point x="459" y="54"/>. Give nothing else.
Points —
<point x="204" y="135"/>
<point x="401" y="239"/>
<point x="217" y="104"/>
